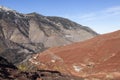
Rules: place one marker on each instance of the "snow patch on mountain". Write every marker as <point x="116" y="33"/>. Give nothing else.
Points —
<point x="5" y="8"/>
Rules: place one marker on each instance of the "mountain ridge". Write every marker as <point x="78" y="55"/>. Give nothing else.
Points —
<point x="27" y="34"/>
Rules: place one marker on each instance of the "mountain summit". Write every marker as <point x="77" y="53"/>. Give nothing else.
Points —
<point x="3" y="8"/>
<point x="25" y="34"/>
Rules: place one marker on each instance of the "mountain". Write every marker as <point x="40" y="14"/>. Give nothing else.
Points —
<point x="25" y="34"/>
<point x="94" y="59"/>
<point x="10" y="72"/>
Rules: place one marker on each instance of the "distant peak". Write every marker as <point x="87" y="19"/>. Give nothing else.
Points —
<point x="34" y="13"/>
<point x="5" y="8"/>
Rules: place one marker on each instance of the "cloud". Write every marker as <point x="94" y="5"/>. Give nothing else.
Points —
<point x="106" y="13"/>
<point x="113" y="10"/>
<point x="102" y="21"/>
<point x="90" y="16"/>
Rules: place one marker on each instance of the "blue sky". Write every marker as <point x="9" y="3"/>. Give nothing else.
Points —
<point x="103" y="16"/>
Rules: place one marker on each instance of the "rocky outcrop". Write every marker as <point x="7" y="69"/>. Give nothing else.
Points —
<point x="94" y="59"/>
<point x="25" y="34"/>
<point x="9" y="72"/>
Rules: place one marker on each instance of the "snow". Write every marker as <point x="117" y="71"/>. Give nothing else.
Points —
<point x="5" y="8"/>
<point x="7" y="12"/>
<point x="77" y="68"/>
<point x="53" y="61"/>
<point x="68" y="36"/>
<point x="33" y="61"/>
<point x="24" y="50"/>
<point x="35" y="57"/>
<point x="70" y="27"/>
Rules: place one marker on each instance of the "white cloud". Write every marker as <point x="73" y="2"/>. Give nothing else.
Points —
<point x="102" y="21"/>
<point x="90" y="16"/>
<point x="106" y="13"/>
<point x="113" y="9"/>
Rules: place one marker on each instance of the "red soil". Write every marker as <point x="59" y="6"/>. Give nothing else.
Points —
<point x="97" y="55"/>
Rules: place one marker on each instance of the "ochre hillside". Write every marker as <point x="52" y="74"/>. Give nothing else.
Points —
<point x="98" y="58"/>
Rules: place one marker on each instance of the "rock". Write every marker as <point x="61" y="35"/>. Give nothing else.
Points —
<point x="27" y="34"/>
<point x="9" y="72"/>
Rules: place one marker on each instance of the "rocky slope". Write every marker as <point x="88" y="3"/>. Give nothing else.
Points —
<point x="25" y="34"/>
<point x="9" y="72"/>
<point x="94" y="59"/>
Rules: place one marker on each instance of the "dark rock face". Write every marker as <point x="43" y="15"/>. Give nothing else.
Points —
<point x="5" y="64"/>
<point x="9" y="72"/>
<point x="25" y="34"/>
